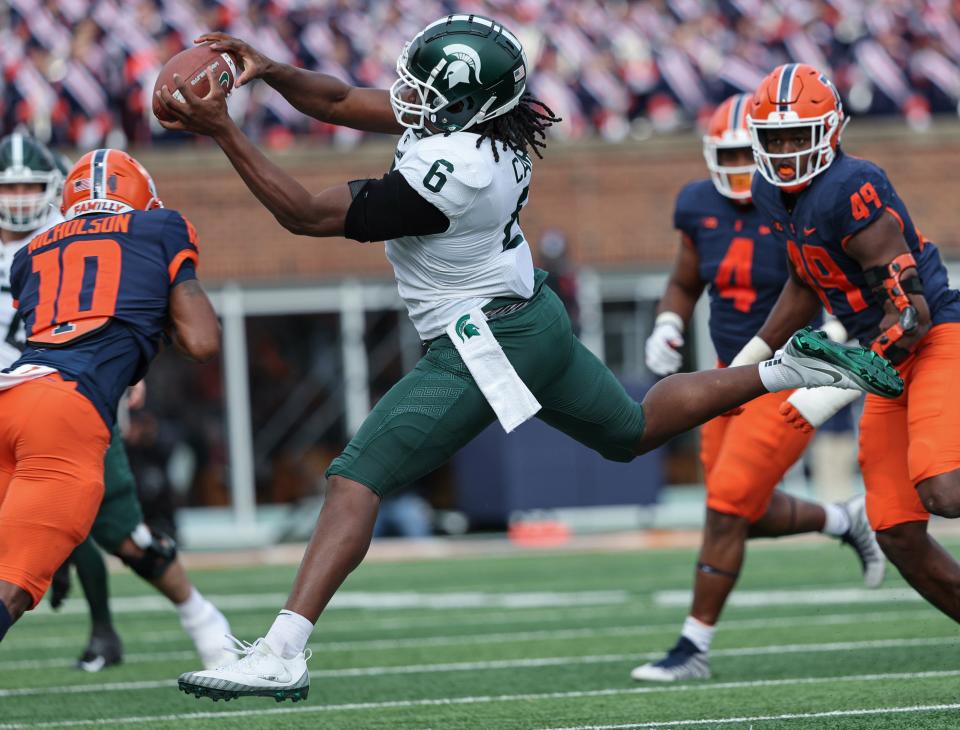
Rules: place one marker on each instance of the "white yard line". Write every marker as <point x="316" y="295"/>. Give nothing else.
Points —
<point x="801" y="597"/>
<point x="370" y="600"/>
<point x="531" y="663"/>
<point x="484" y="699"/>
<point x="840" y="619"/>
<point x="911" y="709"/>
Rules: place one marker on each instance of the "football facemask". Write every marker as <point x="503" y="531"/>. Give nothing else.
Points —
<point x="727" y="130"/>
<point x="796" y="96"/>
<point x="26" y="162"/>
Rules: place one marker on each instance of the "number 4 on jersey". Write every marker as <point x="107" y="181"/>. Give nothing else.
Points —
<point x="733" y="275"/>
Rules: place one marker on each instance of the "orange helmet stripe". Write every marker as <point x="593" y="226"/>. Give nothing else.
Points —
<point x="783" y="90"/>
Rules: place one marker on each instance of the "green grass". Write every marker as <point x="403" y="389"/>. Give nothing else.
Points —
<point x="520" y="668"/>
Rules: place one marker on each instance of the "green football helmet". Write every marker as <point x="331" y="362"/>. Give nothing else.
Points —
<point x="457" y="72"/>
<point x="25" y="160"/>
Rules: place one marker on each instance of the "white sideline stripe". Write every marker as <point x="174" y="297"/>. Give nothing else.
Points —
<point x="806" y="597"/>
<point x="369" y="600"/>
<point x="487" y="699"/>
<point x="767" y="718"/>
<point x="532" y="663"/>
<point x="352" y="624"/>
<point x="839" y="619"/>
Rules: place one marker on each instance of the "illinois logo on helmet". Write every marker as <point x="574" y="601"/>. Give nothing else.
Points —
<point x="728" y="131"/>
<point x="798" y="98"/>
<point x="108" y="181"/>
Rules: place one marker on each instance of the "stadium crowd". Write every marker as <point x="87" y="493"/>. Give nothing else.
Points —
<point x="79" y="73"/>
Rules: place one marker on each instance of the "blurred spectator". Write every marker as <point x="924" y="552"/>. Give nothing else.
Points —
<point x="404" y="515"/>
<point x="80" y="72"/>
<point x="553" y="257"/>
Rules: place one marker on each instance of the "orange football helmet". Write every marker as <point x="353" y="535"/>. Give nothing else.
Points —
<point x="728" y="130"/>
<point x="108" y="181"/>
<point x="796" y="96"/>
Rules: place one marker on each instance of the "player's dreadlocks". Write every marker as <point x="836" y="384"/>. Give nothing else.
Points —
<point x="521" y="129"/>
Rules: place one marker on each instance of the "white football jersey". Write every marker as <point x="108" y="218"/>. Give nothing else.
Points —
<point x="12" y="335"/>
<point x="483" y="254"/>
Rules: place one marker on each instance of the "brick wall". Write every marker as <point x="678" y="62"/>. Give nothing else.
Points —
<point x="615" y="202"/>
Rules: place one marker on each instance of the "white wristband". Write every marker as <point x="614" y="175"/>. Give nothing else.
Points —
<point x="753" y="352"/>
<point x="669" y="318"/>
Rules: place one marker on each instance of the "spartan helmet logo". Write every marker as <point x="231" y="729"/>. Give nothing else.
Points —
<point x="464" y="60"/>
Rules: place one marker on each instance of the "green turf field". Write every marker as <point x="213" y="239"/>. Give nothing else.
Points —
<point x="534" y="640"/>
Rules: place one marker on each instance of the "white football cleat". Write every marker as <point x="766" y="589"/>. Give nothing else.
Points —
<point x="863" y="540"/>
<point x="209" y="635"/>
<point x="683" y="661"/>
<point x="820" y="361"/>
<point x="257" y="673"/>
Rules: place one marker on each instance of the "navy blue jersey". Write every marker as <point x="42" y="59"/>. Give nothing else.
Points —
<point x="744" y="265"/>
<point x="839" y="203"/>
<point x="93" y="293"/>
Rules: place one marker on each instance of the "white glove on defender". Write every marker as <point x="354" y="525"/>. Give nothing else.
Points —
<point x="662" y="345"/>
<point x="810" y="408"/>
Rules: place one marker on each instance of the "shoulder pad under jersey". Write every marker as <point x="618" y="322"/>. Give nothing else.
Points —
<point x="447" y="170"/>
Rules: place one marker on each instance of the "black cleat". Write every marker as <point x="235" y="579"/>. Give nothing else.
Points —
<point x="104" y="650"/>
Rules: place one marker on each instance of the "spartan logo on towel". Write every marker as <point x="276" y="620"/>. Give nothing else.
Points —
<point x="465" y="330"/>
<point x="458" y="70"/>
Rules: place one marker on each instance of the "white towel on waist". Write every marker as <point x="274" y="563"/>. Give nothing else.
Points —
<point x="22" y="374"/>
<point x="507" y="394"/>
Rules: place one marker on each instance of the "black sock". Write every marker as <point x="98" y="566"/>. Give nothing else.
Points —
<point x="6" y="620"/>
<point x="92" y="572"/>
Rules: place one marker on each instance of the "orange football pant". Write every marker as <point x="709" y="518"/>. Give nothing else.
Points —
<point x="916" y="436"/>
<point x="745" y="456"/>
<point x="52" y="444"/>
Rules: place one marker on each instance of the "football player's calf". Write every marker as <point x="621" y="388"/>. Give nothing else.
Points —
<point x="153" y="556"/>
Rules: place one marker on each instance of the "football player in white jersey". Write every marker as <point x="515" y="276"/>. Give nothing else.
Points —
<point x="30" y="185"/>
<point x="499" y="343"/>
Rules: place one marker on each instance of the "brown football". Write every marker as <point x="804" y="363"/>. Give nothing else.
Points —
<point x="191" y="65"/>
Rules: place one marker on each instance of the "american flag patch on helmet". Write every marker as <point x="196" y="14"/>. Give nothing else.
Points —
<point x="82" y="184"/>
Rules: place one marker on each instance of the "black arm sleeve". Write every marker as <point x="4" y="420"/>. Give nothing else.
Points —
<point x="389" y="208"/>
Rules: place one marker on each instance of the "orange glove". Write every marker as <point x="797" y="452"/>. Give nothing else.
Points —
<point x="792" y="416"/>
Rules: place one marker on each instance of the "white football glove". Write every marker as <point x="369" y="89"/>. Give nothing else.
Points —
<point x="809" y="408"/>
<point x="662" y="345"/>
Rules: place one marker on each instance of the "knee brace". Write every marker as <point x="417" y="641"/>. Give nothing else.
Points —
<point x="159" y="551"/>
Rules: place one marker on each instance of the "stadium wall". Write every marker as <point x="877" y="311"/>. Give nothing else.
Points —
<point x="613" y="201"/>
